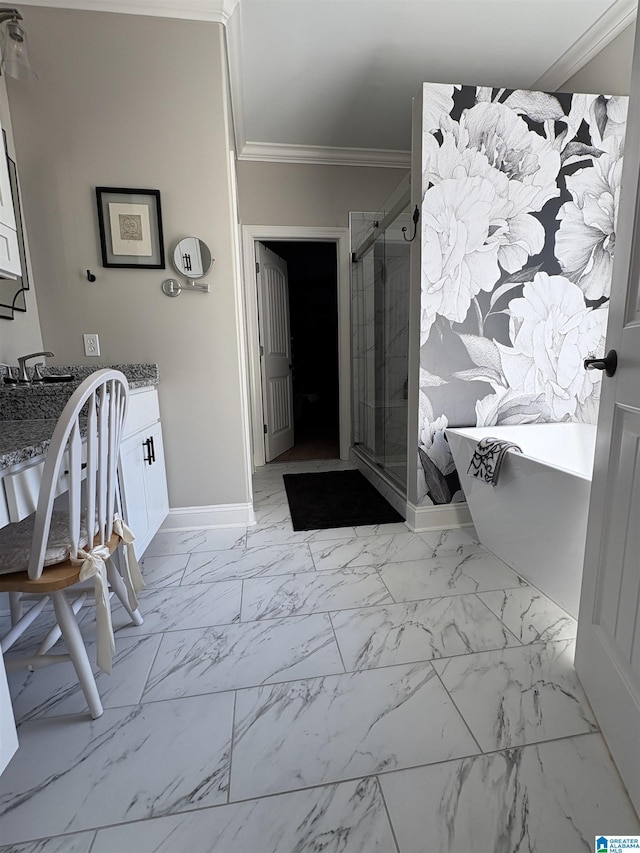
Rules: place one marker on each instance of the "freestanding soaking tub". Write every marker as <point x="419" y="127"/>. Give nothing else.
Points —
<point x="535" y="518"/>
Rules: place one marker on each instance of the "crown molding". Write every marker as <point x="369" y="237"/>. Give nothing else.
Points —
<point x="610" y="24"/>
<point x="217" y="11"/>
<point x="325" y="155"/>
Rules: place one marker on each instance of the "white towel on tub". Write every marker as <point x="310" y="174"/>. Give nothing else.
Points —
<point x="487" y="459"/>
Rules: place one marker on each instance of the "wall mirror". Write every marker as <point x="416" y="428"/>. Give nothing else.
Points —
<point x="12" y="290"/>
<point x="192" y="258"/>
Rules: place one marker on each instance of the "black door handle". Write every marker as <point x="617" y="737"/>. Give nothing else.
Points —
<point x="609" y="363"/>
<point x="148" y="458"/>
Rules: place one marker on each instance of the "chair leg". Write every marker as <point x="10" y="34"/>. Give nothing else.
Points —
<point x="117" y="585"/>
<point x="77" y="652"/>
<point x="15" y="607"/>
<point x="55" y="633"/>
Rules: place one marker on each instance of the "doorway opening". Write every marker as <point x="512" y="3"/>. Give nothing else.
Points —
<point x="311" y="428"/>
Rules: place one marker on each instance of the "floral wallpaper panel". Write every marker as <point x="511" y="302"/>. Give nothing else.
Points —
<point x="520" y="192"/>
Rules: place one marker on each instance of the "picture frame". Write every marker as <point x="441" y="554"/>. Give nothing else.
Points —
<point x="12" y="290"/>
<point x="130" y="225"/>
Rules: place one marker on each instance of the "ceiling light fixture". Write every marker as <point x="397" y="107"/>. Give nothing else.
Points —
<point x="13" y="38"/>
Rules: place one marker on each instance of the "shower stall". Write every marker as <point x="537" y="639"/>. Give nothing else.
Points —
<point x="380" y="338"/>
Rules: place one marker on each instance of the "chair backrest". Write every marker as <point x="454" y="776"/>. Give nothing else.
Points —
<point x="84" y="450"/>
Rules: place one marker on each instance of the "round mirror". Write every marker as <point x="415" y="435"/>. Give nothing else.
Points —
<point x="191" y="257"/>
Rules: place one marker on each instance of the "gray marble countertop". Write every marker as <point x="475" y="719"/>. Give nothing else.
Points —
<point x="28" y="414"/>
<point x="23" y="439"/>
<point x="34" y="401"/>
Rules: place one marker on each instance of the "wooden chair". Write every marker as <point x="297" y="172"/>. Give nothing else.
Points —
<point x="52" y="552"/>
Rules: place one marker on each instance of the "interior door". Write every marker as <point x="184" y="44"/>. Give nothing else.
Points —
<point x="608" y="645"/>
<point x="275" y="342"/>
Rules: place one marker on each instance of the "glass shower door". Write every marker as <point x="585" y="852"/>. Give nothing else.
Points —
<point x="380" y="317"/>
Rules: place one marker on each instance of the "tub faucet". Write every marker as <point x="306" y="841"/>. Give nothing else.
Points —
<point x="23" y="376"/>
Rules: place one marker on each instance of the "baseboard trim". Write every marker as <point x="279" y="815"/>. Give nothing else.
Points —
<point x="217" y="515"/>
<point x="421" y="518"/>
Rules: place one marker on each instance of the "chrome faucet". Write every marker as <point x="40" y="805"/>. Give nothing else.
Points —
<point x="23" y="376"/>
<point x="8" y="373"/>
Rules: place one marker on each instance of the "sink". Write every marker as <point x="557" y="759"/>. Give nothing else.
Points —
<point x="51" y="379"/>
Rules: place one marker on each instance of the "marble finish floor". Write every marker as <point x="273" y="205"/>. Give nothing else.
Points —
<point x="355" y="690"/>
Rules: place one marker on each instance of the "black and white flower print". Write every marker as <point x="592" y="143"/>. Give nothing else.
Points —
<point x="520" y="196"/>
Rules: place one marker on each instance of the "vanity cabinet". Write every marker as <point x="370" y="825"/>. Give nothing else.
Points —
<point x="142" y="468"/>
<point x="9" y="252"/>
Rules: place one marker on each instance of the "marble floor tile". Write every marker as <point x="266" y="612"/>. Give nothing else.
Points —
<point x="451" y="539"/>
<point x="243" y="655"/>
<point x="38" y="630"/>
<point x="210" y="566"/>
<point x="164" y="571"/>
<point x="170" y="608"/>
<point x="331" y="729"/>
<point x="550" y="797"/>
<point x="164" y="544"/>
<point x="530" y="615"/>
<point x="418" y="630"/>
<point x="284" y="534"/>
<point x="78" y="842"/>
<point x="346" y="818"/>
<point x="311" y="592"/>
<point x="272" y="513"/>
<point x="269" y="491"/>
<point x="131" y="763"/>
<point x="447" y="575"/>
<point x="369" y="551"/>
<point x="380" y="529"/>
<point x="54" y="690"/>
<point x="518" y="695"/>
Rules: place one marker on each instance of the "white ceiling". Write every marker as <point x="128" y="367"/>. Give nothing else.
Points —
<point x="332" y="80"/>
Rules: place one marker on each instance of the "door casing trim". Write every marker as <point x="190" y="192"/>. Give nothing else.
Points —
<point x="251" y="234"/>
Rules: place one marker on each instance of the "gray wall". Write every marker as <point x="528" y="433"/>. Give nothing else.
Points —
<point x="128" y="101"/>
<point x="308" y="195"/>
<point x="609" y="71"/>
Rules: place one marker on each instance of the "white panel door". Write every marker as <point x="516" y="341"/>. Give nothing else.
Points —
<point x="275" y="341"/>
<point x="608" y="645"/>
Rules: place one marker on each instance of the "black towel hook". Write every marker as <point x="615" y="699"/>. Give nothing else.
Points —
<point x="90" y="276"/>
<point x="415" y="218"/>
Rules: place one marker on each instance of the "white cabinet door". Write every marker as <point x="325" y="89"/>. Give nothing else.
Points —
<point x="144" y="484"/>
<point x="155" y="480"/>
<point x="133" y="489"/>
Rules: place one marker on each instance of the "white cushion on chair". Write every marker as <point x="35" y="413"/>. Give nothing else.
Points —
<point x="16" y="540"/>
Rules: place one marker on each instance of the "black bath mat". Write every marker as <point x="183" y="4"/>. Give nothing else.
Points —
<point x="335" y="499"/>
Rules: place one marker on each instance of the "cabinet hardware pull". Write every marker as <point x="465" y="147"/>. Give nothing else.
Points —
<point x="153" y="449"/>
<point x="147" y="443"/>
<point x="83" y="468"/>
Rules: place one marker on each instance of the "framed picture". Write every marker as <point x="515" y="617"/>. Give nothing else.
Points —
<point x="130" y="224"/>
<point x="12" y="291"/>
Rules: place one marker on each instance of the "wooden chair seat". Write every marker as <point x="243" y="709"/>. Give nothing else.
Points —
<point x="59" y="576"/>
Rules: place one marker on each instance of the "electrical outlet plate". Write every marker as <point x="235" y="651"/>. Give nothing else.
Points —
<point x="91" y="345"/>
